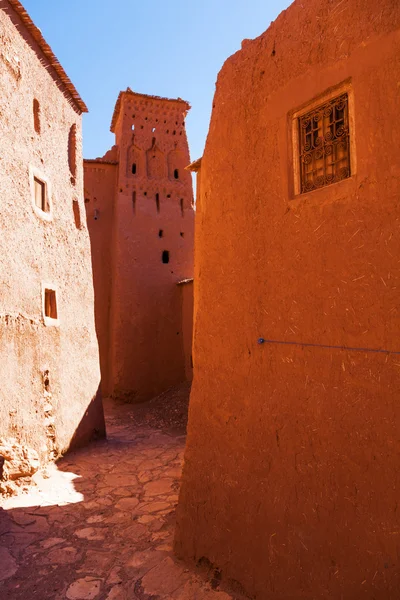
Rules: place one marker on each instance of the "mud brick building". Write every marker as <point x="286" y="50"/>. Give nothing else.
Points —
<point x="139" y="206"/>
<point x="49" y="367"/>
<point x="291" y="480"/>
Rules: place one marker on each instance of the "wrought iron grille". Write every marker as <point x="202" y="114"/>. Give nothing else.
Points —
<point x="324" y="144"/>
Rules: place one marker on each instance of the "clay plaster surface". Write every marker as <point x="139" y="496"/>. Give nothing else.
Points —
<point x="291" y="476"/>
<point x="39" y="249"/>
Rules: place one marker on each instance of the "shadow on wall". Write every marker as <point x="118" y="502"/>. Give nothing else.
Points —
<point x="92" y="426"/>
<point x="19" y="462"/>
<point x="99" y="224"/>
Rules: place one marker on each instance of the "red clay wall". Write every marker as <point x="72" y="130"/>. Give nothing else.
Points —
<point x="100" y="184"/>
<point x="293" y="489"/>
<point x="186" y="291"/>
<point x="153" y="213"/>
<point x="49" y="374"/>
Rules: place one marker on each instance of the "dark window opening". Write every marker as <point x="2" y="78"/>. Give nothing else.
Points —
<point x="176" y="174"/>
<point x="36" y="115"/>
<point x="182" y="234"/>
<point x="50" y="304"/>
<point x="160" y="233"/>
<point x="77" y="214"/>
<point x="134" y="202"/>
<point x="41" y="195"/>
<point x="158" y="202"/>
<point x="46" y="380"/>
<point x="168" y="195"/>
<point x="87" y="200"/>
<point x="134" y="169"/>
<point x="72" y="151"/>
<point x="165" y="257"/>
<point x="182" y="207"/>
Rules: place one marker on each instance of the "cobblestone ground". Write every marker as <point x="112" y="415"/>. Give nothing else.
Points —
<point x="99" y="525"/>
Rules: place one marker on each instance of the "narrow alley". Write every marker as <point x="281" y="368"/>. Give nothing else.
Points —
<point x="99" y="525"/>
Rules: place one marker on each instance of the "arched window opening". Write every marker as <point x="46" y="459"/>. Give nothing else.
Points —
<point x="160" y="233"/>
<point x="158" y="202"/>
<point x="176" y="173"/>
<point x="134" y="169"/>
<point x="165" y="257"/>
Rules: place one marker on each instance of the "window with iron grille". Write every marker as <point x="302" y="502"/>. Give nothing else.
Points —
<point x="324" y="144"/>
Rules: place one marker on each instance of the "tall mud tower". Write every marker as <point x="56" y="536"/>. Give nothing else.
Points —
<point x="139" y="203"/>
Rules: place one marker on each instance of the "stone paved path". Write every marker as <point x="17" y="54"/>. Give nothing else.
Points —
<point x="100" y="525"/>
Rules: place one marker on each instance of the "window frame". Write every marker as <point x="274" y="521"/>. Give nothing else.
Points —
<point x="50" y="321"/>
<point x="332" y="93"/>
<point x="35" y="173"/>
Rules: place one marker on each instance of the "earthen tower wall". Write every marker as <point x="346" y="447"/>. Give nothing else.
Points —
<point x="150" y="245"/>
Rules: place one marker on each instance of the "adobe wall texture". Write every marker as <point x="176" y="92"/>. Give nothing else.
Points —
<point x="152" y="216"/>
<point x="186" y="291"/>
<point x="100" y="185"/>
<point x="293" y="490"/>
<point x="49" y="374"/>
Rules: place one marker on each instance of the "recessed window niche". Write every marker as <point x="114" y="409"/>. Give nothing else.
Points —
<point x="49" y="305"/>
<point x="40" y="194"/>
<point x="323" y="141"/>
<point x="36" y="115"/>
<point x="77" y="214"/>
<point x="72" y="152"/>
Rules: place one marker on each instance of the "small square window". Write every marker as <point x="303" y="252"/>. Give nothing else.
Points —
<point x="50" y="304"/>
<point x="324" y="144"/>
<point x="50" y="310"/>
<point x="41" y="195"/>
<point x="40" y="187"/>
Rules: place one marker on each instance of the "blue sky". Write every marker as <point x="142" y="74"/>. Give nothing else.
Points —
<point x="167" y="48"/>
